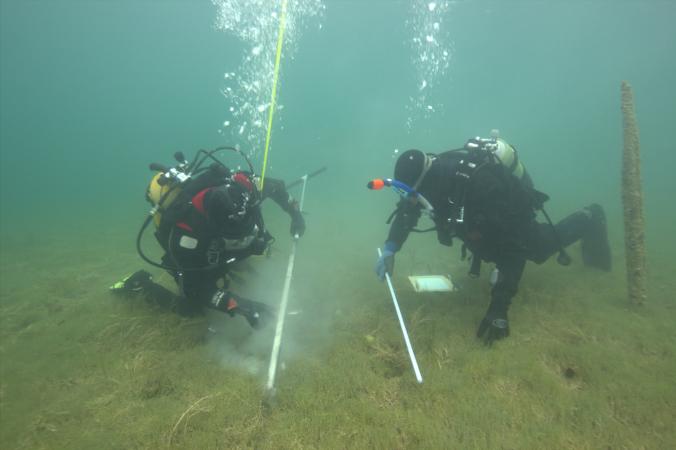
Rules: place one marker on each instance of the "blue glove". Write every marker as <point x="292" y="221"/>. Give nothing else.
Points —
<point x="386" y="261"/>
<point x="297" y="223"/>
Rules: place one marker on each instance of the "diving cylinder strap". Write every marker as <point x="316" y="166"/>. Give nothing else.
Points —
<point x="429" y="159"/>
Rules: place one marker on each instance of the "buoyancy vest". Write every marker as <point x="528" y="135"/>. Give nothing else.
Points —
<point x="466" y="178"/>
<point x="187" y="226"/>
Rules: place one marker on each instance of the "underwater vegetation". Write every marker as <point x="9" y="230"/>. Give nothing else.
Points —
<point x="94" y="91"/>
<point x="84" y="369"/>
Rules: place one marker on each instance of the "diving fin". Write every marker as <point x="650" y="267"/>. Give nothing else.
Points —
<point x="132" y="283"/>
<point x="595" y="245"/>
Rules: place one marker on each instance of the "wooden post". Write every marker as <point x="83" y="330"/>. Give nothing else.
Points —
<point x="632" y="200"/>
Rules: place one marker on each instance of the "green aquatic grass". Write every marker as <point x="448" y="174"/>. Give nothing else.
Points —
<point x="82" y="368"/>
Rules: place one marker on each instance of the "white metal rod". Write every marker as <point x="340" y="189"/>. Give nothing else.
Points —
<point x="409" y="347"/>
<point x="281" y="314"/>
<point x="302" y="193"/>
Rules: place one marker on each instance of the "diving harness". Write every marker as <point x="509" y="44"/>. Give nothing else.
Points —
<point x="170" y="182"/>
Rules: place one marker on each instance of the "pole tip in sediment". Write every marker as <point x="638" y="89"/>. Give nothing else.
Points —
<point x="269" y="399"/>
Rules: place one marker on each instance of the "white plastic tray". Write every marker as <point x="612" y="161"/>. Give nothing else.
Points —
<point x="431" y="283"/>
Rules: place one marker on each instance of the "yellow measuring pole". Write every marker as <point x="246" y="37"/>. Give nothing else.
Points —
<point x="278" y="57"/>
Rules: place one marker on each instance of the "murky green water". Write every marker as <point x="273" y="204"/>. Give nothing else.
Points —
<point x="91" y="92"/>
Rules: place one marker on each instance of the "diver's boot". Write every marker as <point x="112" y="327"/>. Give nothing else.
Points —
<point x="255" y="313"/>
<point x="135" y="282"/>
<point x="595" y="246"/>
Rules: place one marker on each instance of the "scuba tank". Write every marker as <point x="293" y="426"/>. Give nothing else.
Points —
<point x="507" y="156"/>
<point x="156" y="192"/>
<point x="500" y="152"/>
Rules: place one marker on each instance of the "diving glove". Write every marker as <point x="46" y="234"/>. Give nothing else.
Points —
<point x="297" y="223"/>
<point x="385" y="263"/>
<point x="493" y="327"/>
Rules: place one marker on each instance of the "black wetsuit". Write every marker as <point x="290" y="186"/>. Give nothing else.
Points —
<point x="200" y="247"/>
<point x="498" y="224"/>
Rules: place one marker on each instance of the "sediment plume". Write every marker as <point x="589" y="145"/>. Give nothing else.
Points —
<point x="632" y="200"/>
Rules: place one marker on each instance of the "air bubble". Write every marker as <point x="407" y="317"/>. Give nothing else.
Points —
<point x="255" y="23"/>
<point x="431" y="53"/>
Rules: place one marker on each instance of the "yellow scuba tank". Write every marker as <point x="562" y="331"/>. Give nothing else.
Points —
<point x="156" y="192"/>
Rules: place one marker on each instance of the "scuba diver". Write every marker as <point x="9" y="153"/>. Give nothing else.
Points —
<point x="482" y="195"/>
<point x="206" y="219"/>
